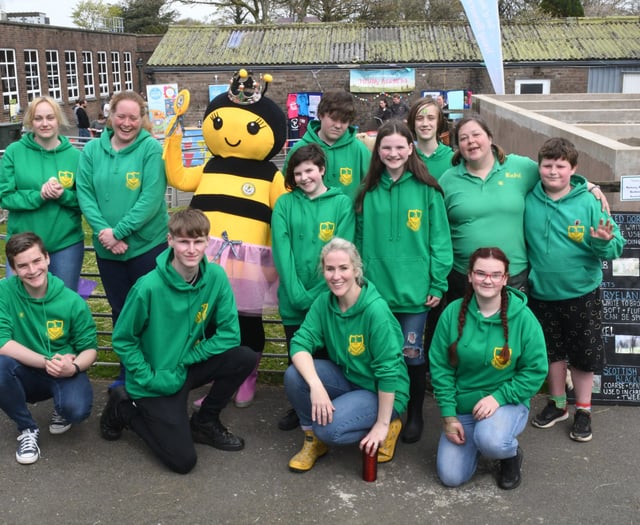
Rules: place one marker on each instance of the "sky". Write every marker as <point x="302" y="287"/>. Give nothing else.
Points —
<point x="59" y="11"/>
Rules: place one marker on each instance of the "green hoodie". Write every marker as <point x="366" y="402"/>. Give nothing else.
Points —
<point x="403" y="237"/>
<point x="58" y="323"/>
<point x="300" y="227"/>
<point x="566" y="262"/>
<point x="26" y="166"/>
<point x="124" y="190"/>
<point x="365" y="342"/>
<point x="478" y="374"/>
<point x="167" y="325"/>
<point x="347" y="160"/>
<point x="489" y="212"/>
<point x="439" y="161"/>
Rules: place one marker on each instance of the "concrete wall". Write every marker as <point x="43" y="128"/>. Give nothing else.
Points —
<point x="520" y="124"/>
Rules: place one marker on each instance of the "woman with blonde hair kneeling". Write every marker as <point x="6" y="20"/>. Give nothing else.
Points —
<point x="358" y="394"/>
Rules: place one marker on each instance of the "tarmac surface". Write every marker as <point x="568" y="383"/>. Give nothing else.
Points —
<point x="82" y="479"/>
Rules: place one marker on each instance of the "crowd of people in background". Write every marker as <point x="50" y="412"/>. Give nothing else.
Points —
<point x="416" y="259"/>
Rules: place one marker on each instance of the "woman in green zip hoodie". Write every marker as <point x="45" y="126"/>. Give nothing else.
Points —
<point x="358" y="394"/>
<point x="38" y="187"/>
<point x="488" y="358"/>
<point x="403" y="235"/>
<point x="121" y="190"/>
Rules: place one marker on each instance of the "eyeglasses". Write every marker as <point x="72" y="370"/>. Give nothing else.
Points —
<point x="495" y="277"/>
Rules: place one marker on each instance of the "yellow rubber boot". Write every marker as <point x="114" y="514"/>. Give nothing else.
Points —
<point x="312" y="449"/>
<point x="388" y="448"/>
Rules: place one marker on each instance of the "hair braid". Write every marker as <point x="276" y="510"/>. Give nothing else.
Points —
<point x="462" y="317"/>
<point x="504" y="304"/>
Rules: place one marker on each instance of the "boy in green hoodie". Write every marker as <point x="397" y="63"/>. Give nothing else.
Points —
<point x="568" y="237"/>
<point x="347" y="158"/>
<point x="47" y="342"/>
<point x="178" y="330"/>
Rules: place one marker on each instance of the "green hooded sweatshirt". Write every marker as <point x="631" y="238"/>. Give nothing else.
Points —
<point x="300" y="227"/>
<point x="566" y="262"/>
<point x="439" y="161"/>
<point x="479" y="373"/>
<point x="26" y="166"/>
<point x="58" y="323"/>
<point x="347" y="160"/>
<point x="124" y="190"/>
<point x="365" y="342"/>
<point x="403" y="237"/>
<point x="167" y="325"/>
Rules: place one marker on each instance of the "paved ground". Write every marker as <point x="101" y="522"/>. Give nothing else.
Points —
<point x="82" y="479"/>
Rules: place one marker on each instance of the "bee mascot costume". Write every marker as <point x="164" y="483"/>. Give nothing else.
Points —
<point x="237" y="190"/>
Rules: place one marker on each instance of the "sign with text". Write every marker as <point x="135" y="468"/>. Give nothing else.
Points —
<point x="620" y="293"/>
<point x="382" y="80"/>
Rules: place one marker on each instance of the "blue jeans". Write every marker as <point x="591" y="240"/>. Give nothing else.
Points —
<point x="412" y="326"/>
<point x="356" y="410"/>
<point x="20" y="384"/>
<point x="65" y="264"/>
<point x="494" y="438"/>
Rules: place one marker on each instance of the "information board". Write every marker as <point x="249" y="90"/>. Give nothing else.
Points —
<point x="620" y="293"/>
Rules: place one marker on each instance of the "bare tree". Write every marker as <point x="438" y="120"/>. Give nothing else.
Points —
<point x="245" y="11"/>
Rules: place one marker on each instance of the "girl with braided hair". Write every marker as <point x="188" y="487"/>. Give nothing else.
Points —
<point x="488" y="358"/>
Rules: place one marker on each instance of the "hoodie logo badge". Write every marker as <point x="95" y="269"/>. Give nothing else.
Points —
<point x="326" y="231"/>
<point x="202" y="314"/>
<point x="133" y="180"/>
<point x="356" y="344"/>
<point x="496" y="362"/>
<point x="346" y="176"/>
<point x="66" y="178"/>
<point x="55" y="329"/>
<point x="414" y="219"/>
<point x="576" y="232"/>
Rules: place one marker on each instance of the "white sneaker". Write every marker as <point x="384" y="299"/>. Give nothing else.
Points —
<point x="28" y="451"/>
<point x="58" y="424"/>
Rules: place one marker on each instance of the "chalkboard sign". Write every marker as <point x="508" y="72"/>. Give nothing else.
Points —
<point x="620" y="292"/>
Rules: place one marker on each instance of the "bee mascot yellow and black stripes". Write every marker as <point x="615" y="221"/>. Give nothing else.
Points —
<point x="237" y="189"/>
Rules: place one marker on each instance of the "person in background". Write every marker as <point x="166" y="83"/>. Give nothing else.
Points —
<point x="358" y="394"/>
<point x="403" y="235"/>
<point x="38" y="188"/>
<point x="487" y="360"/>
<point x="121" y="191"/>
<point x="382" y="112"/>
<point x="82" y="119"/>
<point x="347" y="158"/>
<point x="303" y="221"/>
<point x="564" y="223"/>
<point x="48" y="342"/>
<point x="97" y="126"/>
<point x="399" y="109"/>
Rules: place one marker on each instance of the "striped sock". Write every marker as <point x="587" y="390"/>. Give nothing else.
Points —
<point x="580" y="406"/>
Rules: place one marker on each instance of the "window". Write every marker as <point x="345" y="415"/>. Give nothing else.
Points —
<point x="9" y="77"/>
<point x="128" y="73"/>
<point x="533" y="87"/>
<point x="53" y="74"/>
<point x="87" y="74"/>
<point x="103" y="74"/>
<point x="630" y="82"/>
<point x="32" y="74"/>
<point x="71" y="66"/>
<point x="115" y="69"/>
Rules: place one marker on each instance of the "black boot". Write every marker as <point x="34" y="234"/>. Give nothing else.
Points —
<point x="111" y="421"/>
<point x="509" y="472"/>
<point x="412" y="431"/>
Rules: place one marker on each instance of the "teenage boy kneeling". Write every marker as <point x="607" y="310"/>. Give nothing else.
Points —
<point x="178" y="330"/>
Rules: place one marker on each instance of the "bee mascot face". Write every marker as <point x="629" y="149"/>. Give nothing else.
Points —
<point x="234" y="126"/>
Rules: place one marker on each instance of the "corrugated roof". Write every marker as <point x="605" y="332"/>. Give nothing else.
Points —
<point x="575" y="39"/>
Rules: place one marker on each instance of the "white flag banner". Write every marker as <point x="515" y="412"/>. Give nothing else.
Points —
<point x="485" y="23"/>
